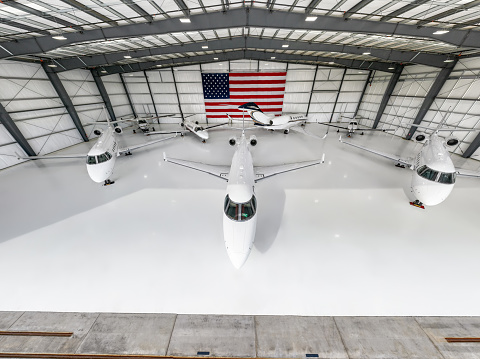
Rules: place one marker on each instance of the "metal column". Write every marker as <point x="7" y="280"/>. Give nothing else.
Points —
<point x="311" y="92"/>
<point x="128" y="96"/>
<point x="151" y="95"/>
<point x="363" y="92"/>
<point x="103" y="93"/>
<point x="12" y="128"/>
<point x="338" y="94"/>
<point x="67" y="102"/>
<point x="178" y="97"/>
<point x="472" y="148"/>
<point x="431" y="95"/>
<point x="387" y="94"/>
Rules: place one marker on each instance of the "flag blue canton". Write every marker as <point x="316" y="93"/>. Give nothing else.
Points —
<point x="215" y="86"/>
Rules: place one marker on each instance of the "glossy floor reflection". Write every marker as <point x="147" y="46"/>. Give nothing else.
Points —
<point x="335" y="239"/>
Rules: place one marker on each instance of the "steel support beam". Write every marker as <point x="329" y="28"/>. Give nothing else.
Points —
<point x="311" y="92"/>
<point x="24" y="27"/>
<point x="369" y="78"/>
<point x="388" y="92"/>
<point x="31" y="10"/>
<point x="472" y="148"/>
<point x="338" y="94"/>
<point x="151" y="95"/>
<point x="67" y="102"/>
<point x="430" y="97"/>
<point x="310" y="7"/>
<point x="90" y="11"/>
<point x="176" y="92"/>
<point x="252" y="55"/>
<point x="128" y="96"/>
<point x="104" y="94"/>
<point x="181" y="4"/>
<point x="240" y="17"/>
<point x="132" y="5"/>
<point x="256" y="43"/>
<point x="403" y="9"/>
<point x="355" y="8"/>
<point x="12" y="128"/>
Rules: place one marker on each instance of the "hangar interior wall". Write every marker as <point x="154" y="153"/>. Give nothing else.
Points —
<point x="326" y="93"/>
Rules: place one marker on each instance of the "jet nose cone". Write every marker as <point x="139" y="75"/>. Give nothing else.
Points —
<point x="238" y="259"/>
<point x="203" y="135"/>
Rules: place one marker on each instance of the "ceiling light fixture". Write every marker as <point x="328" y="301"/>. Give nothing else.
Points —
<point x="449" y="60"/>
<point x="103" y="71"/>
<point x="52" y="65"/>
<point x="366" y="53"/>
<point x="59" y="37"/>
<point x="311" y="18"/>
<point x="185" y="20"/>
<point x="391" y="68"/>
<point x="331" y="63"/>
<point x="441" y="32"/>
<point x="285" y="45"/>
<point x="205" y="47"/>
<point x="215" y="58"/>
<point x="159" y="65"/>
<point x="272" y="58"/>
<point x="127" y="56"/>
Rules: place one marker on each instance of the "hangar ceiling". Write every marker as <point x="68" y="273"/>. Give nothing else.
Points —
<point x="133" y="35"/>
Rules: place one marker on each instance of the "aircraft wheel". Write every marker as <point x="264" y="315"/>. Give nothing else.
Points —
<point x="134" y="131"/>
<point x="286" y="132"/>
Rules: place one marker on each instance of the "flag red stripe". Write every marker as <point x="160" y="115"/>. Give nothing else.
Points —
<point x="230" y="110"/>
<point x="259" y="103"/>
<point x="256" y="74"/>
<point x="232" y="97"/>
<point x="257" y="89"/>
<point x="256" y="82"/>
<point x="232" y="116"/>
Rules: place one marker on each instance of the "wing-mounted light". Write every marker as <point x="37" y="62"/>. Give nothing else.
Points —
<point x="232" y="141"/>
<point x="451" y="141"/>
<point x="253" y="140"/>
<point x="97" y="132"/>
<point x="118" y="129"/>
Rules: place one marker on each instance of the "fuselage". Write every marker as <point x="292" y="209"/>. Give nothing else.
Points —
<point x="101" y="157"/>
<point x="352" y="126"/>
<point x="283" y="122"/>
<point x="434" y="173"/>
<point x="197" y="130"/>
<point x="239" y="218"/>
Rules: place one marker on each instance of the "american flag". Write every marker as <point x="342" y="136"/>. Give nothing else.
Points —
<point x="224" y="92"/>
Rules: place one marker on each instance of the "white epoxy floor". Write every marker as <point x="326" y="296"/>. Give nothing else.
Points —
<point x="335" y="239"/>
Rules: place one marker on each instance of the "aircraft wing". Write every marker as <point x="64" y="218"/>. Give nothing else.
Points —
<point x="127" y="149"/>
<point x="217" y="171"/>
<point x="467" y="173"/>
<point x="408" y="163"/>
<point x="262" y="172"/>
<point x="332" y="125"/>
<point x="303" y="131"/>
<point x="217" y="125"/>
<point x="165" y="132"/>
<point x="51" y="157"/>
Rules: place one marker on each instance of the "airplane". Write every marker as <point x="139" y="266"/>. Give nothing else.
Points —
<point x="240" y="205"/>
<point x="352" y="126"/>
<point x="434" y="174"/>
<point x="283" y="122"/>
<point x="193" y="127"/>
<point x="102" y="156"/>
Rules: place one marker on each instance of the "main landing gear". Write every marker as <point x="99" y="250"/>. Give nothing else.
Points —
<point x="128" y="153"/>
<point x="399" y="165"/>
<point x="204" y="141"/>
<point x="108" y="182"/>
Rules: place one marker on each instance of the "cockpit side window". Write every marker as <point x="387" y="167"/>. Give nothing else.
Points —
<point x="427" y="173"/>
<point x="240" y="211"/>
<point x="447" y="178"/>
<point x="108" y="155"/>
<point x="91" y="160"/>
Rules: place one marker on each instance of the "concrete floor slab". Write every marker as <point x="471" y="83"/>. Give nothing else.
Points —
<point x="385" y="337"/>
<point x="295" y="337"/>
<point x="8" y="318"/>
<point x="439" y="328"/>
<point x="129" y="334"/>
<point x="219" y="335"/>
<point x="78" y="323"/>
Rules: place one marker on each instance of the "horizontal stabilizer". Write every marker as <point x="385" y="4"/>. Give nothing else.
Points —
<point x="269" y="171"/>
<point x="215" y="170"/>
<point x="131" y="148"/>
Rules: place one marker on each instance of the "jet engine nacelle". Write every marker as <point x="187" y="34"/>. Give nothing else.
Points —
<point x="118" y="130"/>
<point x="451" y="141"/>
<point x="420" y="138"/>
<point x="232" y="141"/>
<point x="253" y="140"/>
<point x="97" y="132"/>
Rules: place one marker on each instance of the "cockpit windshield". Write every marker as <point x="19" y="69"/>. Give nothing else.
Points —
<point x="142" y="121"/>
<point x="198" y="128"/>
<point x="93" y="160"/>
<point x="240" y="211"/>
<point x="436" y="176"/>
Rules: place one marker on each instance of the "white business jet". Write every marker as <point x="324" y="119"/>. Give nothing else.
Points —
<point x="353" y="126"/>
<point x="434" y="174"/>
<point x="102" y="156"/>
<point x="192" y="127"/>
<point x="240" y="206"/>
<point x="283" y="122"/>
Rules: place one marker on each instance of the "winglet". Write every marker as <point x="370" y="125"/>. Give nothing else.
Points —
<point x="323" y="158"/>
<point x="340" y="139"/>
<point x="164" y="157"/>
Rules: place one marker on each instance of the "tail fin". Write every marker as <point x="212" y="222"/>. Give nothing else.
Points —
<point x="256" y="114"/>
